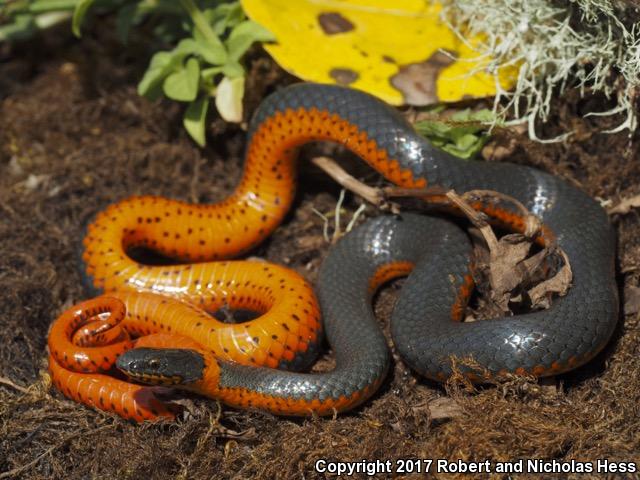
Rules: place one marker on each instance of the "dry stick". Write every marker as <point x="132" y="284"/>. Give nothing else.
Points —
<point x="6" y="381"/>
<point x="378" y="196"/>
<point x="532" y="222"/>
<point x="340" y="175"/>
<point x="478" y="220"/>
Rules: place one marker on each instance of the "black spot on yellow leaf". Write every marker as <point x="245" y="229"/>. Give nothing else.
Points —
<point x="333" y="23"/>
<point x="343" y="76"/>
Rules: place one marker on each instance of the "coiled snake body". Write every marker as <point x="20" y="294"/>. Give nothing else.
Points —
<point x="234" y="362"/>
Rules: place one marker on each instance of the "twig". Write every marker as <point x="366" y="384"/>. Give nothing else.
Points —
<point x="340" y="175"/>
<point x="424" y="193"/>
<point x="477" y="219"/>
<point x="532" y="222"/>
<point x="6" y="381"/>
<point x="435" y="195"/>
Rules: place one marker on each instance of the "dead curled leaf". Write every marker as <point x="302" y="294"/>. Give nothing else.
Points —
<point x="517" y="278"/>
<point x="541" y="294"/>
<point x="505" y="271"/>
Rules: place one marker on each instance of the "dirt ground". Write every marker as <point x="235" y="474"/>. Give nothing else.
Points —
<point x="75" y="136"/>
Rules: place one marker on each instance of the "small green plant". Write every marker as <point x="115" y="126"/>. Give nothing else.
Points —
<point x="210" y="38"/>
<point x="463" y="134"/>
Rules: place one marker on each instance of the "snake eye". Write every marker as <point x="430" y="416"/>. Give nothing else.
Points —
<point x="154" y="363"/>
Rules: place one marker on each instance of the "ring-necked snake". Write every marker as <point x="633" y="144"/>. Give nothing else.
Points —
<point x="181" y="344"/>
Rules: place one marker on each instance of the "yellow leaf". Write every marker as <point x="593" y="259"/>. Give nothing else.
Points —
<point x="398" y="50"/>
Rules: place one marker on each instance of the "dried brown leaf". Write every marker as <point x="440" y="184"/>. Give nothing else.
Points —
<point x="559" y="284"/>
<point x="505" y="268"/>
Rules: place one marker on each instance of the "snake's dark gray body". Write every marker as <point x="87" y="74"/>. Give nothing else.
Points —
<point x="574" y="329"/>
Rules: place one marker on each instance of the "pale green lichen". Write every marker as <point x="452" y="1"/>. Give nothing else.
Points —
<point x="592" y="45"/>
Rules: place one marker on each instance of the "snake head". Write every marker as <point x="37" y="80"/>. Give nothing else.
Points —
<point x="162" y="366"/>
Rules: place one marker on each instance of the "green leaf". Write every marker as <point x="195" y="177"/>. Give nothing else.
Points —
<point x="203" y="33"/>
<point x="215" y="54"/>
<point x="182" y="85"/>
<point x="162" y="64"/>
<point x="78" y="15"/>
<point x="229" y="98"/>
<point x="194" y="120"/>
<point x="463" y="135"/>
<point x="235" y="14"/>
<point x="165" y="63"/>
<point x="485" y="116"/>
<point x="232" y="69"/>
<point x="187" y="46"/>
<point x="432" y="129"/>
<point x="243" y="36"/>
<point x="225" y="15"/>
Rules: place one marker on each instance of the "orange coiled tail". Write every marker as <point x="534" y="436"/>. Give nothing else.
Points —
<point x="84" y="342"/>
<point x="99" y="333"/>
<point x="78" y="338"/>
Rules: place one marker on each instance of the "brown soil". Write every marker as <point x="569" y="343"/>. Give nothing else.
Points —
<point x="75" y="136"/>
